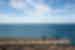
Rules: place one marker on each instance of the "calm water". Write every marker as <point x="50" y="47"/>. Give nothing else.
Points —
<point x="37" y="30"/>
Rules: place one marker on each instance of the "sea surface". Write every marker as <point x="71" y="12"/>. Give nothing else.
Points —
<point x="37" y="30"/>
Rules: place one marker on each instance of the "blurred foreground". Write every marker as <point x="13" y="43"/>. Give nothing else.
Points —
<point x="35" y="45"/>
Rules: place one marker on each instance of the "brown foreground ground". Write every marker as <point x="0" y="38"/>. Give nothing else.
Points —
<point x="33" y="45"/>
<point x="37" y="47"/>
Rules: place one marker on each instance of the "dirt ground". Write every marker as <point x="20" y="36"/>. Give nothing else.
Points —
<point x="52" y="47"/>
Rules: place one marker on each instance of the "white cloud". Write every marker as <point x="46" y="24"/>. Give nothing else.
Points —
<point x="18" y="4"/>
<point x="37" y="10"/>
<point x="3" y="15"/>
<point x="40" y="10"/>
<point x="35" y="20"/>
<point x="61" y="20"/>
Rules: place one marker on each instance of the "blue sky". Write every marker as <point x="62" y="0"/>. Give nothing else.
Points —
<point x="58" y="7"/>
<point x="22" y="6"/>
<point x="56" y="11"/>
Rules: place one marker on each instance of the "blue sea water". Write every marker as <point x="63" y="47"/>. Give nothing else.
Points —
<point x="37" y="30"/>
<point x="22" y="30"/>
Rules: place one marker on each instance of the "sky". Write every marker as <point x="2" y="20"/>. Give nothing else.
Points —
<point x="37" y="11"/>
<point x="23" y="8"/>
